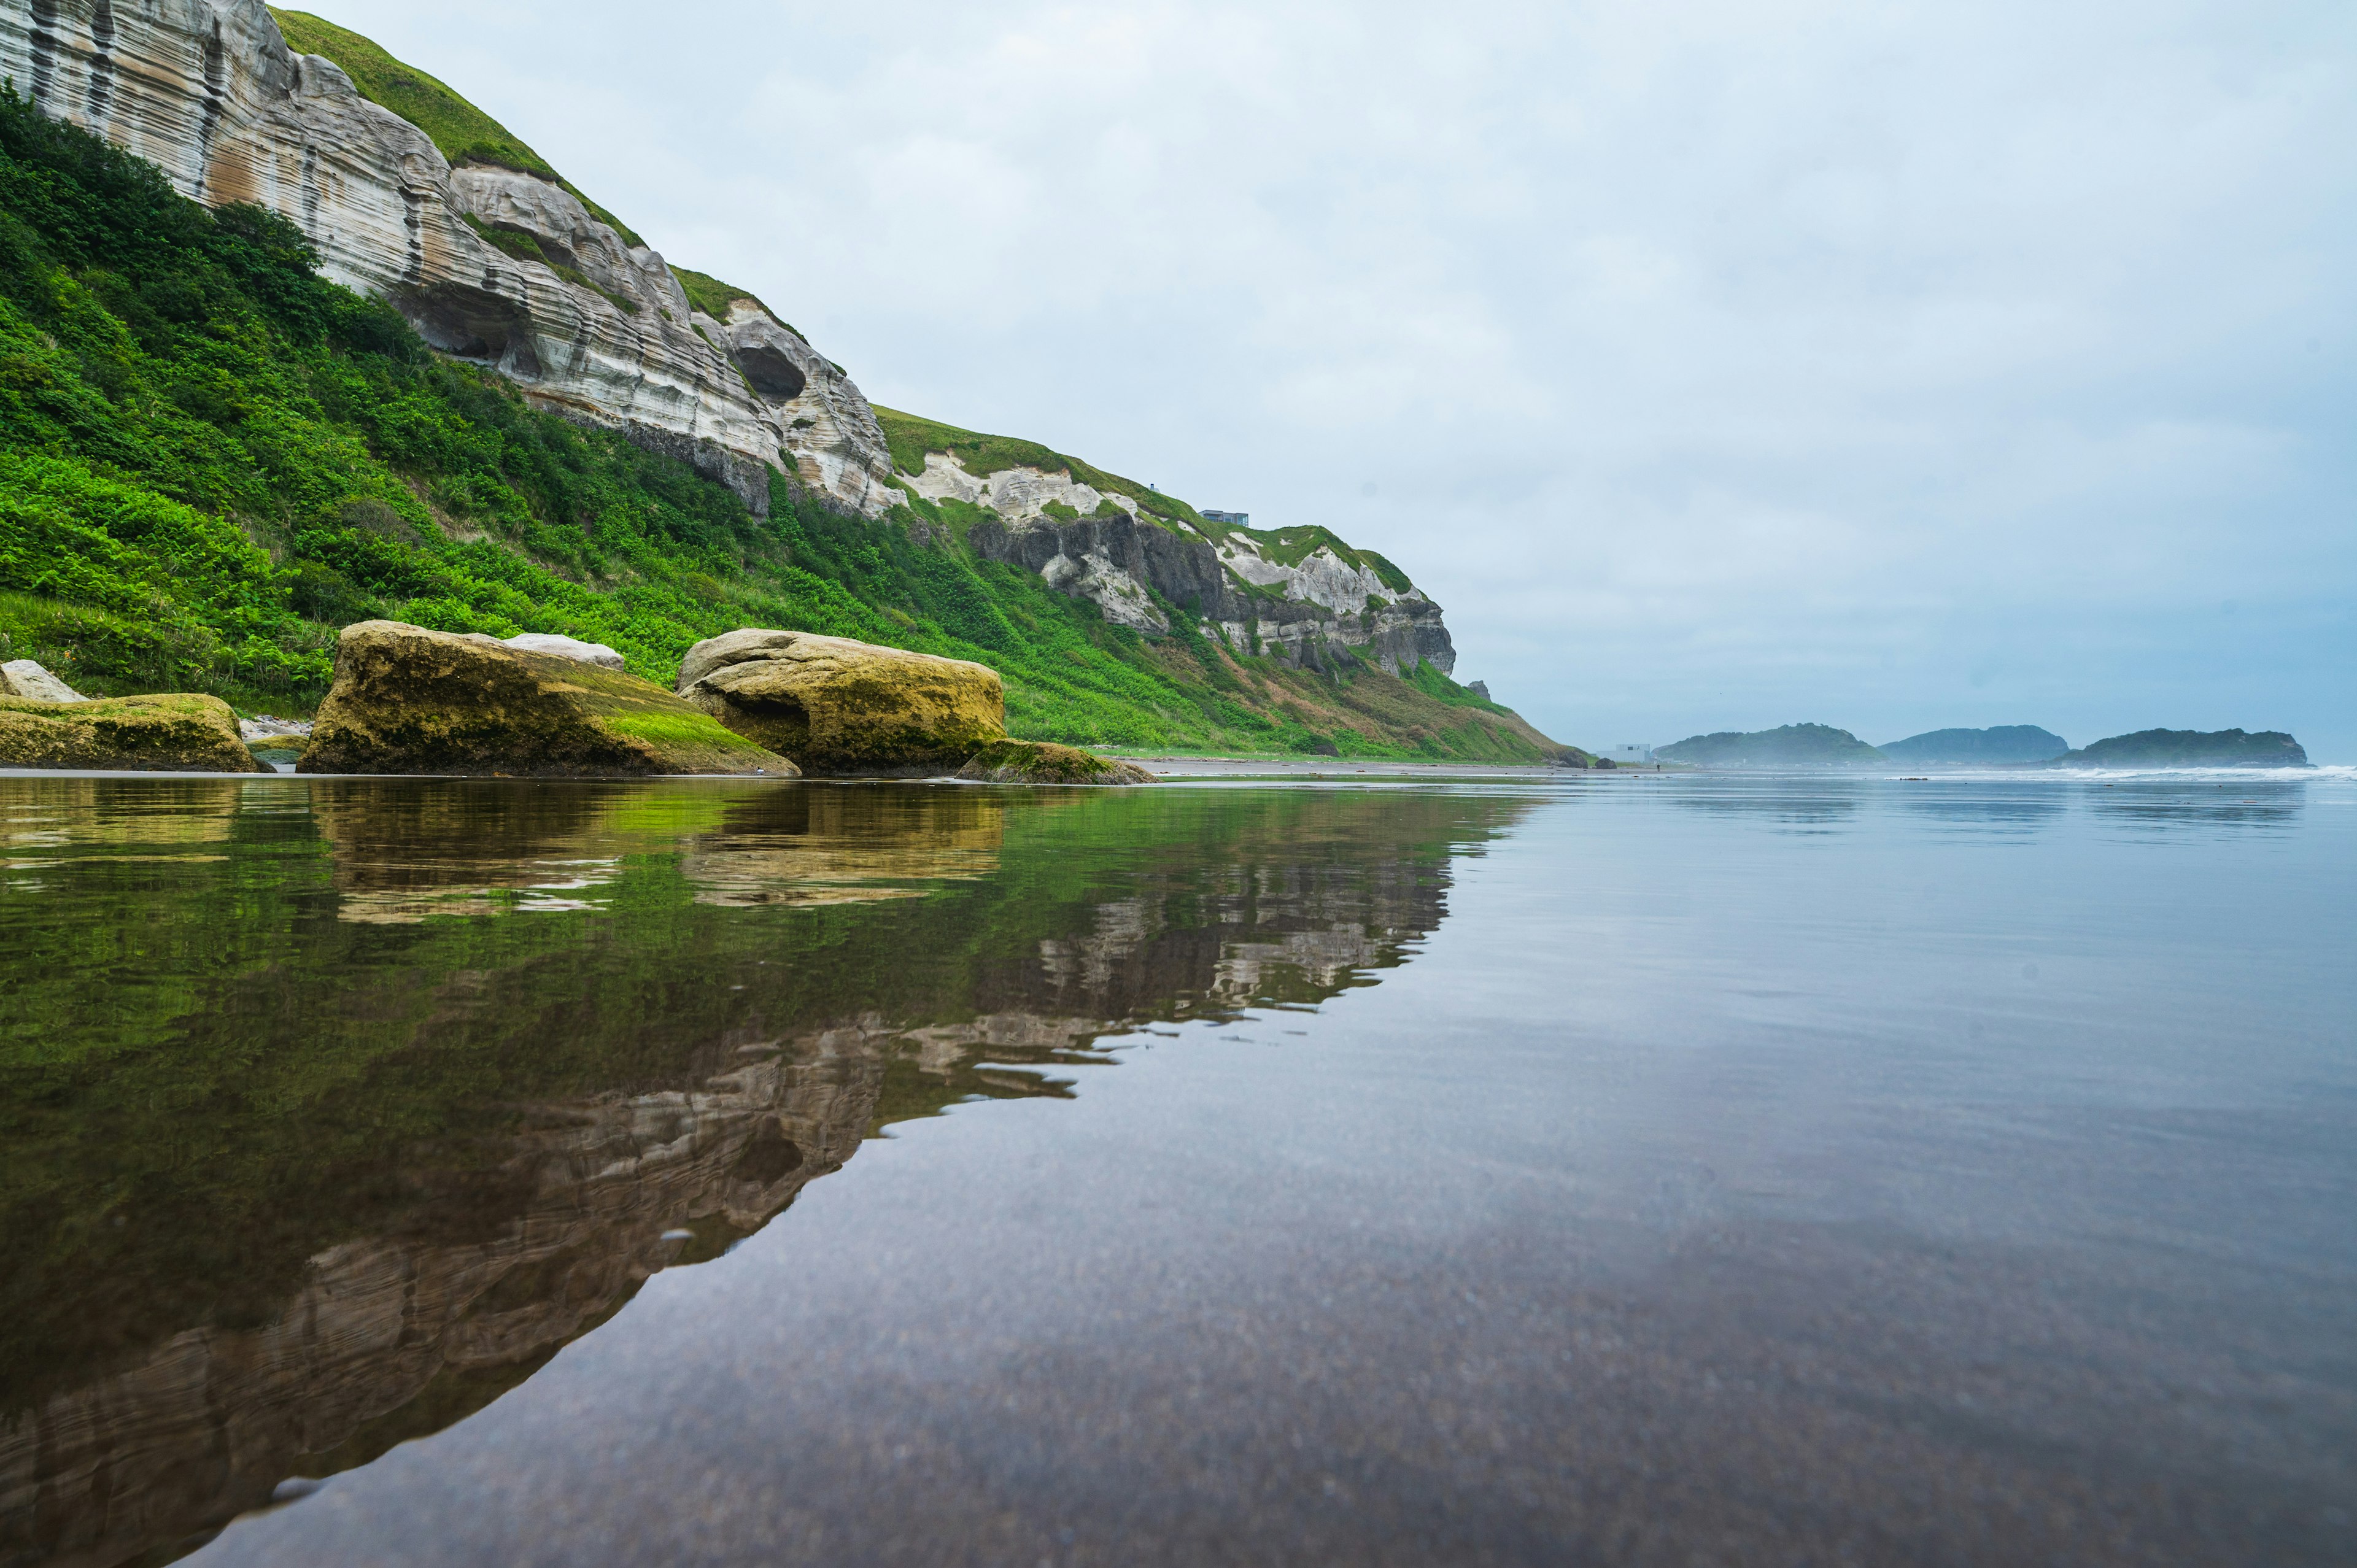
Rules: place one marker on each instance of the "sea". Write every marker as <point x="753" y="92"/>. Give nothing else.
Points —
<point x="1551" y="1167"/>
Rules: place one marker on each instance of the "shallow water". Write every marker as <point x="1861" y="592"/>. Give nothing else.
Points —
<point x="1660" y="1169"/>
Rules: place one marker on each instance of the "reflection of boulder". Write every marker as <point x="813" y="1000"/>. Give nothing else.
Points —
<point x="407" y="700"/>
<point x="483" y="847"/>
<point x="180" y="733"/>
<point x="839" y="706"/>
<point x="839" y="846"/>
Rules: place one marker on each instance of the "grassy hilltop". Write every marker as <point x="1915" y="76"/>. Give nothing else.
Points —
<point x="212" y="459"/>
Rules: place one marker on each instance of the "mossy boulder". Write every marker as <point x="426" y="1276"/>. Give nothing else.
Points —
<point x="839" y="706"/>
<point x="407" y="700"/>
<point x="176" y="732"/>
<point x="1044" y="762"/>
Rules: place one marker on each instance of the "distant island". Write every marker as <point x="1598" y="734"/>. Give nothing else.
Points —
<point x="2190" y="748"/>
<point x="2006" y="743"/>
<point x="1794" y="746"/>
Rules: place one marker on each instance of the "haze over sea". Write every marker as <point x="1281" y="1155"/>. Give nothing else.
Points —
<point x="1643" y="1168"/>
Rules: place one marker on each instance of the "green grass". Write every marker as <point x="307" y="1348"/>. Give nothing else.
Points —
<point x="710" y="296"/>
<point x="460" y="132"/>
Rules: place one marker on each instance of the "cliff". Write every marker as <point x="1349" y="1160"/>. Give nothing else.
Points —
<point x="278" y="359"/>
<point x="1297" y="594"/>
<point x="501" y="266"/>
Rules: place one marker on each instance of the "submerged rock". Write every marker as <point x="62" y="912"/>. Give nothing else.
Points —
<point x="176" y="732"/>
<point x="23" y="678"/>
<point x="1044" y="762"/>
<point x="407" y="700"/>
<point x="563" y="646"/>
<point x="839" y="706"/>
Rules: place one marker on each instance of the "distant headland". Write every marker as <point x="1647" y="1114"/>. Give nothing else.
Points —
<point x="2005" y="746"/>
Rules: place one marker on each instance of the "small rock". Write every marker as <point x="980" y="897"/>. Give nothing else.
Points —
<point x="560" y="646"/>
<point x="23" y="678"/>
<point x="1044" y="762"/>
<point x="264" y="727"/>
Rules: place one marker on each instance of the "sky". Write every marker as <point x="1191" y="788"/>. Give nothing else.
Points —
<point x="1715" y="365"/>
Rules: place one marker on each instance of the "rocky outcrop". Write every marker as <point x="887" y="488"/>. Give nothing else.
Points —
<point x="178" y="733"/>
<point x="408" y="700"/>
<point x="839" y="706"/>
<point x="1320" y="613"/>
<point x="1044" y="762"/>
<point x="23" y="678"/>
<point x="585" y="322"/>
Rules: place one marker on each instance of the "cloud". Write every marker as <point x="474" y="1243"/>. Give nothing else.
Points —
<point x="1717" y="365"/>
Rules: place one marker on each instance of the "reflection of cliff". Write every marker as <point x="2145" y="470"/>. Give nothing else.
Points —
<point x="391" y="1154"/>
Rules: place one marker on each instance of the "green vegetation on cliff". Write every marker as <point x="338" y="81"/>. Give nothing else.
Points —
<point x="911" y="436"/>
<point x="211" y="459"/>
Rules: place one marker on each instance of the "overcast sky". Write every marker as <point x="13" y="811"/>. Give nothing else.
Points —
<point x="1717" y="366"/>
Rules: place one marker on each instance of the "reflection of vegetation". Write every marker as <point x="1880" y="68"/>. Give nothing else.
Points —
<point x="216" y="1062"/>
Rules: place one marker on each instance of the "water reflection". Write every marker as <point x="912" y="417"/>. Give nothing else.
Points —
<point x="2160" y="805"/>
<point x="317" y="1146"/>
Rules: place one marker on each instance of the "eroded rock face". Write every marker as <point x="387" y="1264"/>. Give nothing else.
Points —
<point x="1320" y="614"/>
<point x="409" y="699"/>
<point x="835" y="705"/>
<point x="24" y="678"/>
<point x="177" y="732"/>
<point x="207" y="90"/>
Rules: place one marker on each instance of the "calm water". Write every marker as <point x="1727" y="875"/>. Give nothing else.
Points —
<point x="1661" y="1170"/>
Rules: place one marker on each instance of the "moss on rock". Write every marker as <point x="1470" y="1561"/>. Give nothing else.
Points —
<point x="839" y="706"/>
<point x="1044" y="762"/>
<point x="175" y="733"/>
<point x="407" y="700"/>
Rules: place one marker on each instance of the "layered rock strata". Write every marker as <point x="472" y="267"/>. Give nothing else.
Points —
<point x="1320" y="614"/>
<point x="207" y="90"/>
<point x="835" y="705"/>
<point x="1099" y="544"/>
<point x="410" y="700"/>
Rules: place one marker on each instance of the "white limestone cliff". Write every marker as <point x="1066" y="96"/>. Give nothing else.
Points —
<point x="208" y="92"/>
<point x="1120" y="557"/>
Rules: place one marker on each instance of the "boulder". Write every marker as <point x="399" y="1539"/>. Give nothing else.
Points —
<point x="176" y="732"/>
<point x="1043" y="762"/>
<point x="566" y="648"/>
<point x="839" y="706"/>
<point x="23" y="678"/>
<point x="407" y="700"/>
